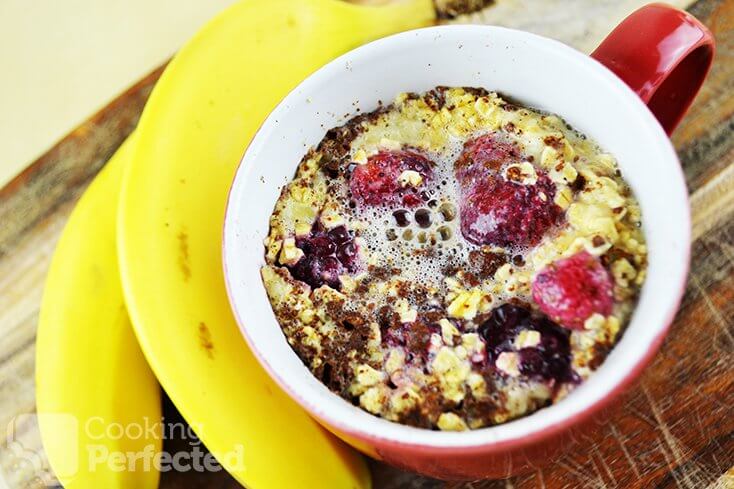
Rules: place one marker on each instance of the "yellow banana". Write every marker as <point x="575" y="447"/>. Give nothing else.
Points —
<point x="96" y="396"/>
<point x="193" y="132"/>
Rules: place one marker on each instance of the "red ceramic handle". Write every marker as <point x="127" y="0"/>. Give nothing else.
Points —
<point x="663" y="54"/>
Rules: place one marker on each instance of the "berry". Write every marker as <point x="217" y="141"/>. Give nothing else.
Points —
<point x="549" y="360"/>
<point x="347" y="252"/>
<point x="496" y="211"/>
<point x="339" y="235"/>
<point x="320" y="246"/>
<point x="483" y="156"/>
<point x="572" y="289"/>
<point x="326" y="256"/>
<point x="504" y="213"/>
<point x="377" y="181"/>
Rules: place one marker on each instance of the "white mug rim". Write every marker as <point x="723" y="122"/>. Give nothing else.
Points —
<point x="341" y="415"/>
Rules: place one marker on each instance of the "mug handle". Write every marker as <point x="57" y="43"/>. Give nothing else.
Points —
<point x="664" y="55"/>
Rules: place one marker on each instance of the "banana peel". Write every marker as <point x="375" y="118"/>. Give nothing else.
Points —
<point x="91" y="376"/>
<point x="194" y="129"/>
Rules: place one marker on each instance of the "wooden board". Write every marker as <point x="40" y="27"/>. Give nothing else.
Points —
<point x="676" y="429"/>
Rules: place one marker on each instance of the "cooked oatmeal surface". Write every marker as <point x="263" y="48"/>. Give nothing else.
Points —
<point x="453" y="261"/>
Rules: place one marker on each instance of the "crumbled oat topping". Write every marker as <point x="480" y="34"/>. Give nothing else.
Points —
<point x="405" y="316"/>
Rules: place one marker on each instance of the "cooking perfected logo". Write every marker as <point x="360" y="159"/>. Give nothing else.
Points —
<point x="95" y="444"/>
<point x="26" y="463"/>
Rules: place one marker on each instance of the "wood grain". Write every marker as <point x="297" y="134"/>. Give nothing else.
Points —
<point x="676" y="427"/>
<point x="582" y="24"/>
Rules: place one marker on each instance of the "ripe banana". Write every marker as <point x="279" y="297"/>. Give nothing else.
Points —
<point x="193" y="132"/>
<point x="95" y="393"/>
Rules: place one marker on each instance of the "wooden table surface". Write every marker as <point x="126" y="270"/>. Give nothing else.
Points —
<point x="676" y="428"/>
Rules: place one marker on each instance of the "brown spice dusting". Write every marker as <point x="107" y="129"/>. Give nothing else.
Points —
<point x="386" y="318"/>
<point x="480" y="409"/>
<point x="334" y="148"/>
<point x="485" y="262"/>
<point x="351" y="337"/>
<point x="615" y="254"/>
<point x="579" y="183"/>
<point x="600" y="352"/>
<point x="403" y="289"/>
<point x="426" y="414"/>
<point x="432" y="316"/>
<point x="435" y="98"/>
<point x="471" y="279"/>
<point x="554" y="142"/>
<point x="450" y="269"/>
<point x="478" y="92"/>
<point x="419" y="337"/>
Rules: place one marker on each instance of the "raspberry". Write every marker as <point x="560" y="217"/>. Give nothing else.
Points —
<point x="497" y="211"/>
<point x="549" y="360"/>
<point x="326" y="256"/>
<point x="504" y="213"/>
<point x="572" y="289"/>
<point x="483" y="156"/>
<point x="377" y="181"/>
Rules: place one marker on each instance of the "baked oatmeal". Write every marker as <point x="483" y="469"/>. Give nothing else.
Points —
<point x="453" y="260"/>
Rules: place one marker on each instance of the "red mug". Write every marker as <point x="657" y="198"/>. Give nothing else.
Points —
<point x="663" y="56"/>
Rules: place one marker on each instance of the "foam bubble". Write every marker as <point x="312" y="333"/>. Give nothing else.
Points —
<point x="423" y="241"/>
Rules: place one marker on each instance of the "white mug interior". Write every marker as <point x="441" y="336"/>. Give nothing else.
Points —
<point x="533" y="71"/>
